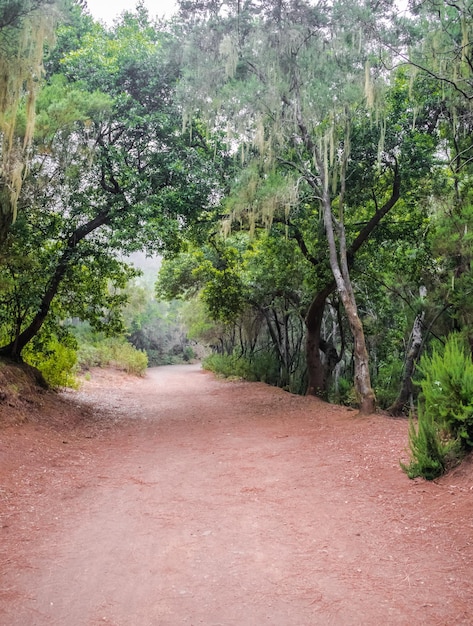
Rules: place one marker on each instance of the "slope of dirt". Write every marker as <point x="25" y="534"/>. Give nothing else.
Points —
<point x="182" y="499"/>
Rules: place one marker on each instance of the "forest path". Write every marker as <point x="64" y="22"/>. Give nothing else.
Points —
<point x="225" y="503"/>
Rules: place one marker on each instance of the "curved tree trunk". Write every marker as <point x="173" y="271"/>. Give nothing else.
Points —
<point x="320" y="184"/>
<point x="341" y="275"/>
<point x="14" y="349"/>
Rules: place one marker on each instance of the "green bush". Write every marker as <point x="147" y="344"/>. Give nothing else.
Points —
<point x="445" y="411"/>
<point x="228" y="365"/>
<point x="56" y="361"/>
<point x="344" y="393"/>
<point x="447" y="389"/>
<point x="432" y="452"/>
<point x="115" y="352"/>
<point x="261" y="366"/>
<point x="264" y="366"/>
<point x="88" y="356"/>
<point x="386" y="381"/>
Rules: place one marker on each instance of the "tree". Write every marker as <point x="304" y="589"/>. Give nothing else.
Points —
<point x="442" y="59"/>
<point x="252" y="289"/>
<point x="301" y="88"/>
<point x="113" y="176"/>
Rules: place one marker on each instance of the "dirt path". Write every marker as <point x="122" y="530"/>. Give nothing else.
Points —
<point x="225" y="503"/>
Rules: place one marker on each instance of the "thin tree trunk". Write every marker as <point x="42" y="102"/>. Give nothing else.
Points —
<point x="404" y="400"/>
<point x="320" y="184"/>
<point x="274" y="333"/>
<point x="341" y="275"/>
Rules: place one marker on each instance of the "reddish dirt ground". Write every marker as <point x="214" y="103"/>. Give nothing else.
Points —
<point x="183" y="499"/>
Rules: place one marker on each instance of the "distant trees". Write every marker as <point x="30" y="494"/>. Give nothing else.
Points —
<point x="302" y="91"/>
<point x="248" y="301"/>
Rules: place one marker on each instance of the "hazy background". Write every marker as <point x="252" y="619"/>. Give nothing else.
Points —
<point x="108" y="11"/>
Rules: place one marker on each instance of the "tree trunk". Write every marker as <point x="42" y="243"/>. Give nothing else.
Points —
<point x="363" y="387"/>
<point x="6" y="215"/>
<point x="317" y="381"/>
<point x="320" y="184"/>
<point x="404" y="400"/>
<point x="344" y="287"/>
<point x="14" y="349"/>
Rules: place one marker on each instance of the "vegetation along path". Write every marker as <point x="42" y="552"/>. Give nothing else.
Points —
<point x="183" y="499"/>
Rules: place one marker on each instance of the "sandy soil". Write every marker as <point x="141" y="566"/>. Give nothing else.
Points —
<point x="182" y="499"/>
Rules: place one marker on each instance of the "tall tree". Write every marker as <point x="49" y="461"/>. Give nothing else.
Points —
<point x="294" y="83"/>
<point x="112" y="172"/>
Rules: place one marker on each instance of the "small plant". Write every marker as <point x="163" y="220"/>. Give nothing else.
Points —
<point x="56" y="361"/>
<point x="447" y="390"/>
<point x="445" y="411"/>
<point x="344" y="393"/>
<point x="432" y="452"/>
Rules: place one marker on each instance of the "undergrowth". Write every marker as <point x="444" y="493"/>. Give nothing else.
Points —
<point x="260" y="366"/>
<point x="113" y="352"/>
<point x="445" y="411"/>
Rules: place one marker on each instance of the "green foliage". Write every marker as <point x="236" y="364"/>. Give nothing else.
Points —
<point x="344" y="393"/>
<point x="452" y="245"/>
<point x="431" y="454"/>
<point x="228" y="366"/>
<point x="112" y="171"/>
<point x="447" y="389"/>
<point x="261" y="366"/>
<point x="65" y="106"/>
<point x="177" y="276"/>
<point x="387" y="381"/>
<point x="113" y="352"/>
<point x="56" y="360"/>
<point x="156" y="327"/>
<point x="445" y="422"/>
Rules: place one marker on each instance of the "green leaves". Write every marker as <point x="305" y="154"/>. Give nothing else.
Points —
<point x="447" y="388"/>
<point x="62" y="107"/>
<point x="445" y="414"/>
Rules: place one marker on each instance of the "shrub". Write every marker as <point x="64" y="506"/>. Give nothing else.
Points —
<point x="115" y="352"/>
<point x="260" y="366"/>
<point x="264" y="366"/>
<point x="447" y="390"/>
<point x="228" y="365"/>
<point x="344" y="393"/>
<point x="56" y="361"/>
<point x="88" y="356"/>
<point x="432" y="452"/>
<point x="445" y="411"/>
<point x="386" y="381"/>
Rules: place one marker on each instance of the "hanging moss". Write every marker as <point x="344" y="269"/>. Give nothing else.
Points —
<point x="21" y="69"/>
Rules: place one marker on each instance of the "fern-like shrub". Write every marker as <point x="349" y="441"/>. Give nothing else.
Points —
<point x="447" y="390"/>
<point x="432" y="452"/>
<point x="445" y="411"/>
